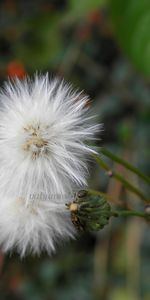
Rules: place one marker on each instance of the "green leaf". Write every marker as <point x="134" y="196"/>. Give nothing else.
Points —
<point x="131" y="21"/>
<point x="41" y="45"/>
<point x="84" y="6"/>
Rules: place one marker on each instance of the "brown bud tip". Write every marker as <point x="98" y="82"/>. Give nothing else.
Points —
<point x="82" y="193"/>
<point x="73" y="207"/>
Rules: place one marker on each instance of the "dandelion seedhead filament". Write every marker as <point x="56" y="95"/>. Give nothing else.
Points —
<point x="45" y="136"/>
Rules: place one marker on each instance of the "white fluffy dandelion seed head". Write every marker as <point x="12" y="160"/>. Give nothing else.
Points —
<point x="44" y="127"/>
<point x="34" y="227"/>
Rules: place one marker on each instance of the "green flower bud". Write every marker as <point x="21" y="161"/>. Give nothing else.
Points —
<point x="88" y="212"/>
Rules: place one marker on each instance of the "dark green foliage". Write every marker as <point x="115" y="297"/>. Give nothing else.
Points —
<point x="131" y="20"/>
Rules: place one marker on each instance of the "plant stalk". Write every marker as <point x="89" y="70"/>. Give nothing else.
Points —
<point x="120" y="178"/>
<point x="126" y="164"/>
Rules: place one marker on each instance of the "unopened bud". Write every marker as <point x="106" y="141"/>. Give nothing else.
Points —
<point x="89" y="212"/>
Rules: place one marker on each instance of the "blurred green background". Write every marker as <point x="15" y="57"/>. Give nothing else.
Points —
<point x="102" y="47"/>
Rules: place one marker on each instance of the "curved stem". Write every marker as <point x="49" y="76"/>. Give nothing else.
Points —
<point x="126" y="164"/>
<point x="120" y="178"/>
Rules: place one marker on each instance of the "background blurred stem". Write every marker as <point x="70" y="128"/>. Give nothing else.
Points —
<point x="126" y="164"/>
<point x="120" y="178"/>
<point x="2" y="258"/>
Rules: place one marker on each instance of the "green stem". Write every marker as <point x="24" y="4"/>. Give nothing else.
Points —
<point x="126" y="164"/>
<point x="120" y="178"/>
<point x="127" y="213"/>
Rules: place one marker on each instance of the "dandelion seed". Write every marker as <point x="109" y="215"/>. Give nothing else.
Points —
<point x="44" y="127"/>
